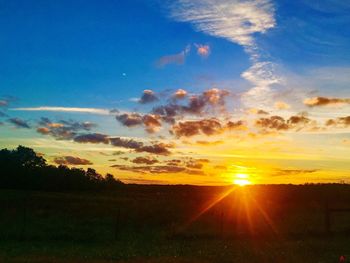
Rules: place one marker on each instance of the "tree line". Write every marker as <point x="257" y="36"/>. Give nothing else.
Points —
<point x="23" y="168"/>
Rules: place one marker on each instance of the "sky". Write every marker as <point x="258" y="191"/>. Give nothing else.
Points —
<point x="206" y="92"/>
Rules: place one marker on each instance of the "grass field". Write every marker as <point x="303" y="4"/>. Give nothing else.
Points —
<point x="174" y="224"/>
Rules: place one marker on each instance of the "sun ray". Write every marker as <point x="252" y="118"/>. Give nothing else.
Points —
<point x="209" y="205"/>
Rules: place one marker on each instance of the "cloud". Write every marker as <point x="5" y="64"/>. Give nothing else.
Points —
<point x="294" y="171"/>
<point x="194" y="164"/>
<point x="148" y="96"/>
<point x="207" y="127"/>
<point x="324" y="101"/>
<point x="19" y="123"/>
<point x="174" y="162"/>
<point x="186" y="165"/>
<point x="168" y="113"/>
<point x="273" y="122"/>
<point x="116" y="153"/>
<point x="279" y="123"/>
<point x="257" y="111"/>
<point x="92" y="138"/>
<point x="71" y="160"/>
<point x="43" y="130"/>
<point x="3" y="103"/>
<point x="130" y="119"/>
<point x="298" y="119"/>
<point x="144" y="160"/>
<point x="203" y="50"/>
<point x="159" y="169"/>
<point x="63" y="130"/>
<point x="235" y="20"/>
<point x="114" y="111"/>
<point x="151" y="122"/>
<point x="209" y="101"/>
<point x="179" y="94"/>
<point x="178" y="58"/>
<point x="125" y="143"/>
<point x="339" y="122"/>
<point x="281" y="105"/>
<point x="66" y="109"/>
<point x="207" y="143"/>
<point x="192" y="128"/>
<point x="212" y="98"/>
<point x="236" y="125"/>
<point x="220" y="167"/>
<point x="263" y="76"/>
<point x="155" y="148"/>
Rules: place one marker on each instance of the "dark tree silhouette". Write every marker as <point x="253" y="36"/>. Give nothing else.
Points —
<point x="23" y="168"/>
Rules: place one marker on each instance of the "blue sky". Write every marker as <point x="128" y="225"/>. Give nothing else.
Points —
<point x="273" y="56"/>
<point x="65" y="49"/>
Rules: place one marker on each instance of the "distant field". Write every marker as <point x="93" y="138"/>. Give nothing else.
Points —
<point x="165" y="224"/>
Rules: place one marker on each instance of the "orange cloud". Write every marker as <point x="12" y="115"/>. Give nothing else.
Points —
<point x="280" y="105"/>
<point x="203" y="50"/>
<point x="148" y="96"/>
<point x="324" y="101"/>
<point x="342" y="121"/>
<point x="180" y="94"/>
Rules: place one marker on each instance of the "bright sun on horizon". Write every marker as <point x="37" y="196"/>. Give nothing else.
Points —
<point x="241" y="179"/>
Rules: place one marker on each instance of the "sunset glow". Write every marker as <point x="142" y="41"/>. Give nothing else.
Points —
<point x="196" y="92"/>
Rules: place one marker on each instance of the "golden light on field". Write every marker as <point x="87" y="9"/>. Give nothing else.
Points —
<point x="241" y="179"/>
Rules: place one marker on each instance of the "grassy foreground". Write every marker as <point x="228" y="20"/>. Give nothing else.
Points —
<point x="165" y="224"/>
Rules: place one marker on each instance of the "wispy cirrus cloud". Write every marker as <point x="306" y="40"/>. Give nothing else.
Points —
<point x="178" y="58"/>
<point x="237" y="21"/>
<point x="65" y="109"/>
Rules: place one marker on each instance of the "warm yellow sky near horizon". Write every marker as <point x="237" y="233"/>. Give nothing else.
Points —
<point x="180" y="92"/>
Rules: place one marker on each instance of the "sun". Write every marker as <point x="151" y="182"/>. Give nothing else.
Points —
<point x="241" y="180"/>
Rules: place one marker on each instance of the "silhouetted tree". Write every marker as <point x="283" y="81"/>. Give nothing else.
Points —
<point x="22" y="168"/>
